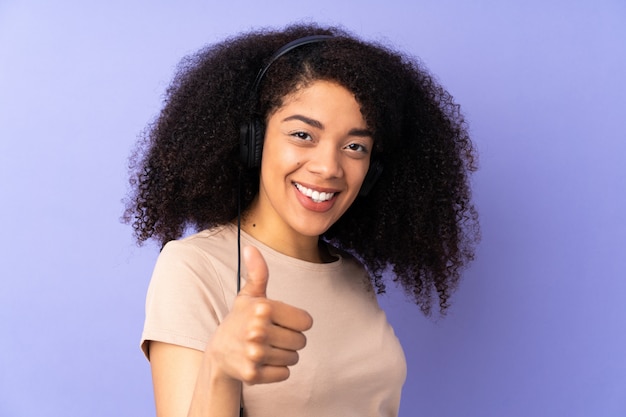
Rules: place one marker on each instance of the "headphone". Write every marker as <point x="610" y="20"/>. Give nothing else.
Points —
<point x="252" y="132"/>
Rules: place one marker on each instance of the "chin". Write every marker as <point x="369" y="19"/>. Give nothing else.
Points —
<point x="312" y="231"/>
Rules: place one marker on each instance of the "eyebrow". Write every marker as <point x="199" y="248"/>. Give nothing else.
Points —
<point x="318" y="125"/>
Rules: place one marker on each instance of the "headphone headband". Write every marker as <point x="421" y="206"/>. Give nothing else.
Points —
<point x="252" y="133"/>
<point x="284" y="50"/>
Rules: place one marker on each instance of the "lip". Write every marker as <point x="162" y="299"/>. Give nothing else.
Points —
<point x="316" y="188"/>
<point x="309" y="204"/>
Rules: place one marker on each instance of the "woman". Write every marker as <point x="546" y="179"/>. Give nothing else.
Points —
<point x="325" y="161"/>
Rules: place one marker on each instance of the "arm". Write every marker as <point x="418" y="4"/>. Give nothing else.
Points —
<point x="254" y="344"/>
<point x="184" y="384"/>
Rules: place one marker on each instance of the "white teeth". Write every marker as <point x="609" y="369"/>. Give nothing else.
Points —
<point x="314" y="195"/>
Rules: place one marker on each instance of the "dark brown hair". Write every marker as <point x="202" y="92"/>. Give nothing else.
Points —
<point x="417" y="226"/>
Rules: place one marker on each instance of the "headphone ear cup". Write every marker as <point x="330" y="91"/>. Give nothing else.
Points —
<point x="258" y="138"/>
<point x="244" y="142"/>
<point x="373" y="173"/>
<point x="251" y="137"/>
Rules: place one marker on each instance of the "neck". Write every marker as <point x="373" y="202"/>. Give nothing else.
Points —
<point x="306" y="248"/>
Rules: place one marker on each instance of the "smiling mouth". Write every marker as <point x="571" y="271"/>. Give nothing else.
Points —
<point x="316" y="196"/>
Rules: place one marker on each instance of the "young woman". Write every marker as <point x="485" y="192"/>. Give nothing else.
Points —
<point x="310" y="166"/>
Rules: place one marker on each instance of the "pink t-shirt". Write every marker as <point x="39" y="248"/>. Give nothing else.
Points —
<point x="352" y="365"/>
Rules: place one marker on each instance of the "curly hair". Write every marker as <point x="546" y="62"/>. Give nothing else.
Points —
<point x="417" y="225"/>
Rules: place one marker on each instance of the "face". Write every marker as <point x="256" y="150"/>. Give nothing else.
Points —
<point x="315" y="156"/>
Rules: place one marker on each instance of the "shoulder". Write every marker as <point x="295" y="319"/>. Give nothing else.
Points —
<point x="352" y="267"/>
<point x="216" y="242"/>
<point x="196" y="270"/>
<point x="191" y="289"/>
<point x="205" y="259"/>
<point x="347" y="259"/>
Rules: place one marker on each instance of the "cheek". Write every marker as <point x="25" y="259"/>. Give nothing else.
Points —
<point x="277" y="164"/>
<point x="286" y="160"/>
<point x="360" y="172"/>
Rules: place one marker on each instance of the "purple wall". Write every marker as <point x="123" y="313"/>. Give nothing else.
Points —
<point x="538" y="326"/>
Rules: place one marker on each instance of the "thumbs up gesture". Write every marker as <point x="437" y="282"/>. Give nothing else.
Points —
<point x="260" y="338"/>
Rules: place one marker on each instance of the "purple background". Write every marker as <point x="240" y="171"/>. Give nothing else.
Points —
<point x="538" y="325"/>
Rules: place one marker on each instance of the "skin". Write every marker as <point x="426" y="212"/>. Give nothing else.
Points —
<point x="317" y="139"/>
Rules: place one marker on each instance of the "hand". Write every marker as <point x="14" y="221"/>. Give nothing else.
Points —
<point x="260" y="338"/>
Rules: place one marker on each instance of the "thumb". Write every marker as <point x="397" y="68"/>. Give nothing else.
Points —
<point x="256" y="281"/>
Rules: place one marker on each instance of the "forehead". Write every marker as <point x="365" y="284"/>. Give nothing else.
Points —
<point x="319" y="95"/>
<point x="322" y="97"/>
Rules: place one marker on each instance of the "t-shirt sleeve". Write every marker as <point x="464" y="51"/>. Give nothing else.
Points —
<point x="185" y="300"/>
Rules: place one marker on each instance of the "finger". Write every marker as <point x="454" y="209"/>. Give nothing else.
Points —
<point x="281" y="357"/>
<point x="265" y="374"/>
<point x="257" y="356"/>
<point x="256" y="280"/>
<point x="282" y="338"/>
<point x="290" y="317"/>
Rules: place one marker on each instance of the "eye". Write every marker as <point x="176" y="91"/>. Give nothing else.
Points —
<point x="301" y="135"/>
<point x="357" y="147"/>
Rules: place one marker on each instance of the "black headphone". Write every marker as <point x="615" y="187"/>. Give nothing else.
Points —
<point x="252" y="133"/>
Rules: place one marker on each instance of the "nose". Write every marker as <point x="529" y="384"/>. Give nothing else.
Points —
<point x="326" y="162"/>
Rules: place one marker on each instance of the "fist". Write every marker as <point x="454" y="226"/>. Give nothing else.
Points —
<point x="260" y="338"/>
